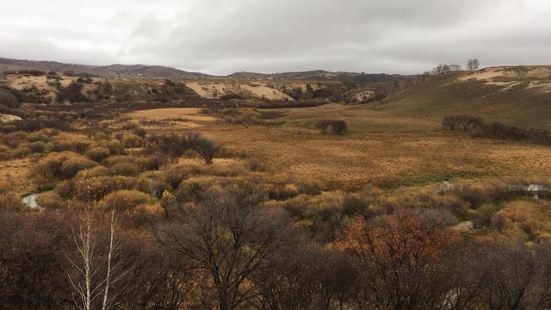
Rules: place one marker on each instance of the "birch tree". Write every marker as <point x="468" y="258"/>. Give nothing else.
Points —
<point x="92" y="289"/>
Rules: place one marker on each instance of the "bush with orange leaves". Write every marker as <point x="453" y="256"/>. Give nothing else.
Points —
<point x="406" y="261"/>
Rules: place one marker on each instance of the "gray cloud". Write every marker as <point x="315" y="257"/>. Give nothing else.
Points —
<point x="219" y="36"/>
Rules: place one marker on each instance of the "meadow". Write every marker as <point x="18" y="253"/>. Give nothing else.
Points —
<point x="379" y="148"/>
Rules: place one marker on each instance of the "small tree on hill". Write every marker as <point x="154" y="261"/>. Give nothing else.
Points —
<point x="473" y="64"/>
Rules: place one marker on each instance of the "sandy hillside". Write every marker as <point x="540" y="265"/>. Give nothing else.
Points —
<point x="45" y="84"/>
<point x="535" y="77"/>
<point x="22" y="81"/>
<point x="215" y="90"/>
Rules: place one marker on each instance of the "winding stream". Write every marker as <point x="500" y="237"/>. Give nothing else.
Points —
<point x="535" y="189"/>
<point x="30" y="201"/>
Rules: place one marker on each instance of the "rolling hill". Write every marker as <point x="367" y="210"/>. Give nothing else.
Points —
<point x="111" y="70"/>
<point x="147" y="71"/>
<point x="519" y="96"/>
<point x="320" y="75"/>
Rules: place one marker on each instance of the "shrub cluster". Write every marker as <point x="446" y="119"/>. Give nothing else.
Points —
<point x="465" y="122"/>
<point x="7" y="99"/>
<point x="338" y="127"/>
<point x="495" y="130"/>
<point x="95" y="188"/>
<point x="125" y="200"/>
<point x="175" y="145"/>
<point x="72" y="93"/>
<point x="8" y="199"/>
<point x="57" y="166"/>
<point x="98" y="153"/>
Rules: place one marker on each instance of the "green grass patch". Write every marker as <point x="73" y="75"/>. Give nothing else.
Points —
<point x="431" y="176"/>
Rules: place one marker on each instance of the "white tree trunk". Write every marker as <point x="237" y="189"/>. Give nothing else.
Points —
<point x="104" y="305"/>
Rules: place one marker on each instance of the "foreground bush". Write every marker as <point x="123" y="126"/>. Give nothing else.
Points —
<point x="125" y="200"/>
<point x="413" y="250"/>
<point x="71" y="166"/>
<point x="95" y="188"/>
<point x="50" y="200"/>
<point x="98" y="153"/>
<point x="69" y="145"/>
<point x="56" y="166"/>
<point x="126" y="169"/>
<point x="7" y="99"/>
<point x="8" y="199"/>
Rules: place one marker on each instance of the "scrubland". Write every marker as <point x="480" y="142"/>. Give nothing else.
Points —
<point x="232" y="205"/>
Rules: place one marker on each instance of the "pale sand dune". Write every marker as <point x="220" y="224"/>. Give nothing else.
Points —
<point x="213" y="90"/>
<point x="510" y="77"/>
<point x="210" y="90"/>
<point x="514" y="73"/>
<point x="263" y="91"/>
<point x="198" y="88"/>
<point x="484" y="74"/>
<point x="21" y="82"/>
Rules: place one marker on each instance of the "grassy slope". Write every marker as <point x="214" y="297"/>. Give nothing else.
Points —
<point x="439" y="96"/>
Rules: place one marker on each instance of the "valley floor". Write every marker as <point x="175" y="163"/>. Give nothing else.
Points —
<point x="379" y="149"/>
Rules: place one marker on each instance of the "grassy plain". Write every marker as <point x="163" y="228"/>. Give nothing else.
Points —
<point x="381" y="148"/>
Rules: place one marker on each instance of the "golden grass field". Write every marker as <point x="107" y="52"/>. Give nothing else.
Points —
<point x="16" y="173"/>
<point x="380" y="148"/>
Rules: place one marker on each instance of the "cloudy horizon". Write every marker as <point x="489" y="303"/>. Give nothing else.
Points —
<point x="221" y="37"/>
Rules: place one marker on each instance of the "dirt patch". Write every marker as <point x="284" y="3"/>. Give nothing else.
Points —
<point x="190" y="114"/>
<point x="8" y="118"/>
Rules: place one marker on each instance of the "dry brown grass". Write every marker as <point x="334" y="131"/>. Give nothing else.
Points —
<point x="191" y="114"/>
<point x="381" y="149"/>
<point x="17" y="172"/>
<point x="175" y="118"/>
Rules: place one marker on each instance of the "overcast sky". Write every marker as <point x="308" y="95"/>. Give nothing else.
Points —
<point x="223" y="36"/>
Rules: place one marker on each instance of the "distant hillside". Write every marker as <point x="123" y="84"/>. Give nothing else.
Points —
<point x="147" y="71"/>
<point x="518" y="96"/>
<point x="111" y="70"/>
<point x="360" y="78"/>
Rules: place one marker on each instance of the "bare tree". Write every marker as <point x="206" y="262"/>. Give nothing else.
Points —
<point x="514" y="276"/>
<point x="204" y="147"/>
<point x="88" y="288"/>
<point x="322" y="125"/>
<point x="301" y="276"/>
<point x="337" y="126"/>
<point x="111" y="277"/>
<point x="444" y="68"/>
<point x="473" y="64"/>
<point x="403" y="259"/>
<point x="229" y="236"/>
<point x="466" y="122"/>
